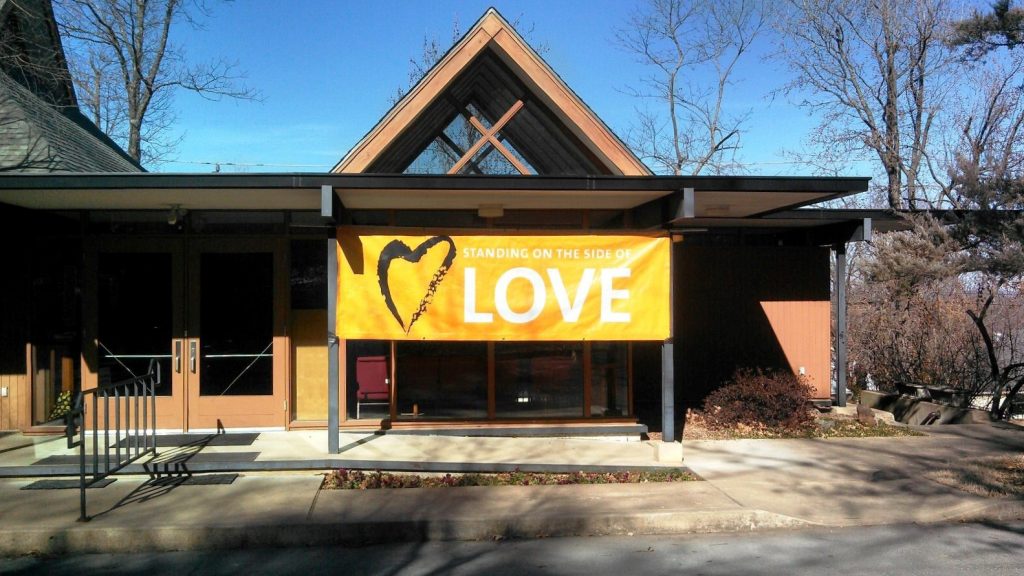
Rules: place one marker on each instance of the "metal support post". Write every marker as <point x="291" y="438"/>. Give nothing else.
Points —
<point x="668" y="380"/>
<point x="840" y="284"/>
<point x="327" y="201"/>
<point x="668" y="389"/>
<point x="332" y="344"/>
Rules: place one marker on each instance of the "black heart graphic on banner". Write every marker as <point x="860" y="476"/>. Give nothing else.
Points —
<point x="396" y="249"/>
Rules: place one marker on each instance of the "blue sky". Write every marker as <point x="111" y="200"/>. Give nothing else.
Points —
<point x="327" y="69"/>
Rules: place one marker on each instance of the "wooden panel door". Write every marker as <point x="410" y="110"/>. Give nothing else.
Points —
<point x="134" y="309"/>
<point x="237" y="347"/>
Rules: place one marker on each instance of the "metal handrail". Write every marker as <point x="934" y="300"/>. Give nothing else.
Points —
<point x="134" y="397"/>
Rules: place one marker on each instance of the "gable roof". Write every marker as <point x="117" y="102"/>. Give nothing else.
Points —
<point x="31" y="51"/>
<point x="492" y="67"/>
<point x="41" y="127"/>
<point x="37" y="136"/>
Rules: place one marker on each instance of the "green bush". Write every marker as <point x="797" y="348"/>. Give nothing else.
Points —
<point x="760" y="399"/>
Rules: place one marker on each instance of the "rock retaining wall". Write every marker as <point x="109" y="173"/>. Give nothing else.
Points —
<point x="910" y="410"/>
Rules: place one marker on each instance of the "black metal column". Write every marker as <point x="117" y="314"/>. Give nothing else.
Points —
<point x="332" y="343"/>
<point x="668" y="380"/>
<point x="668" y="390"/>
<point x="327" y="211"/>
<point x="840" y="287"/>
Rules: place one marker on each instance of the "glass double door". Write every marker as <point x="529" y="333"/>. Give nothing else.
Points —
<point x="207" y="312"/>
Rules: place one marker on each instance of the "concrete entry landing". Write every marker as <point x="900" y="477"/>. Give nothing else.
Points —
<point x="307" y="450"/>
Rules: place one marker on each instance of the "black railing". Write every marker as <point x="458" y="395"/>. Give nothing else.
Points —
<point x="131" y="405"/>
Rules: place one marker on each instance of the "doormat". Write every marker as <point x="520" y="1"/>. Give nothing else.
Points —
<point x="197" y="480"/>
<point x="175" y="440"/>
<point x="64" y="484"/>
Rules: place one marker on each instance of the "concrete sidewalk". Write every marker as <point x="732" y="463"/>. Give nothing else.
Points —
<point x="750" y="485"/>
<point x="307" y="450"/>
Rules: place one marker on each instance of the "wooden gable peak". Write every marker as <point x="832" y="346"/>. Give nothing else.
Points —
<point x="492" y="37"/>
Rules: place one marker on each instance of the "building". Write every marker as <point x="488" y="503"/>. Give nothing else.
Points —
<point x="42" y="131"/>
<point x="489" y="256"/>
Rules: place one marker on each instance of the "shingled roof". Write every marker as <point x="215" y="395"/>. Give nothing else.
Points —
<point x="41" y="127"/>
<point x="36" y="136"/>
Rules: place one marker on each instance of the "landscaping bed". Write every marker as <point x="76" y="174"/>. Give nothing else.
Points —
<point x="757" y="403"/>
<point x="821" y="426"/>
<point x="344" y="479"/>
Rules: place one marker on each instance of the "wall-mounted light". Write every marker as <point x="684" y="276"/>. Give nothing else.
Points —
<point x="176" y="214"/>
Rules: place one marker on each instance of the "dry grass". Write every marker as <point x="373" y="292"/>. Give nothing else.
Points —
<point x="1001" y="477"/>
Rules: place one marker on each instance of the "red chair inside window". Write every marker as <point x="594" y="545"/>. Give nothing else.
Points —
<point x="372" y="381"/>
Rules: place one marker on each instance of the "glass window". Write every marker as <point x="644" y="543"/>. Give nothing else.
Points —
<point x="365" y="359"/>
<point x="231" y="222"/>
<point x="50" y="299"/>
<point x="133" y="222"/>
<point x="448" y="148"/>
<point x="135" y="316"/>
<point x="309" y="274"/>
<point x="609" y="377"/>
<point x="539" y="380"/>
<point x="441" y="379"/>
<point x="236" y="316"/>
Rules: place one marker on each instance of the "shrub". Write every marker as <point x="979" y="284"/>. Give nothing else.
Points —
<point x="761" y="399"/>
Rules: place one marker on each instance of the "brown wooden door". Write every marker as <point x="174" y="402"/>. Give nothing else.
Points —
<point x="236" y="348"/>
<point x="134" y="311"/>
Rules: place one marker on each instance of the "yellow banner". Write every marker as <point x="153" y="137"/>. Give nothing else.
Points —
<point x="393" y="286"/>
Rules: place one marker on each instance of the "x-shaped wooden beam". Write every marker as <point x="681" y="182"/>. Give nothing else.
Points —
<point x="489" y="136"/>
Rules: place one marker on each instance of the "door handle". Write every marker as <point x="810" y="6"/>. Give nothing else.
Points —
<point x="177" y="356"/>
<point x="192" y="356"/>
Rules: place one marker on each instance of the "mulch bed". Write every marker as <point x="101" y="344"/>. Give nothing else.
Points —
<point x="823" y="426"/>
<point x="345" y="479"/>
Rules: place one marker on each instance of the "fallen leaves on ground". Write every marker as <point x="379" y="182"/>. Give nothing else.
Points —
<point x="823" y="426"/>
<point x="345" y="479"/>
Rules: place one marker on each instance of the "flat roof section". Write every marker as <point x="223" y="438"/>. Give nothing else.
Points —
<point x="715" y="196"/>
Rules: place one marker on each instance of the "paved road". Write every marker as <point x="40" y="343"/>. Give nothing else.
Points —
<point x="909" y="550"/>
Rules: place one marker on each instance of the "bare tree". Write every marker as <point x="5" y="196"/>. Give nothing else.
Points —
<point x="127" y="67"/>
<point x="693" y="47"/>
<point x="980" y="162"/>
<point x="979" y="248"/>
<point x="103" y="99"/>
<point x="986" y="178"/>
<point x="877" y="74"/>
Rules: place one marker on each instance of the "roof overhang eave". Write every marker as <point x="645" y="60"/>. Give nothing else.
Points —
<point x="301" y="191"/>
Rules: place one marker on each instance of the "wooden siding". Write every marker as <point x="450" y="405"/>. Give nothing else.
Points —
<point x="750" y="307"/>
<point x="15" y="406"/>
<point x="308" y="335"/>
<point x="802" y="329"/>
